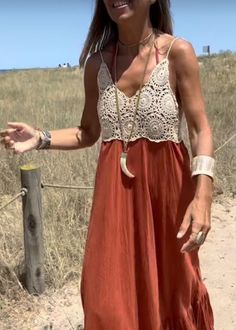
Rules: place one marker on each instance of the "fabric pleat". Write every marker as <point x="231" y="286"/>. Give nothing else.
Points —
<point x="134" y="276"/>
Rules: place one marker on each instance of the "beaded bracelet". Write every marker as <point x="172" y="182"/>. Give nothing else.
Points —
<point x="203" y="164"/>
<point x="44" y="140"/>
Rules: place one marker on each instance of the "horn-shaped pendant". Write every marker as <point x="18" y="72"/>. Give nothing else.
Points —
<point x="123" y="165"/>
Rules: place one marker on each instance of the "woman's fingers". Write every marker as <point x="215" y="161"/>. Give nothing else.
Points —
<point x="185" y="223"/>
<point x="11" y="143"/>
<point x="197" y="238"/>
<point x="15" y="147"/>
<point x="191" y="244"/>
<point x="8" y="142"/>
<point x="18" y="137"/>
<point x="199" y="218"/>
<point x="188" y="247"/>
<point x="7" y="132"/>
<point x="14" y="129"/>
<point x="7" y="139"/>
<point x="16" y="125"/>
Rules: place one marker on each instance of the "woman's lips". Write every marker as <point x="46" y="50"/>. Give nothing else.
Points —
<point x="120" y="4"/>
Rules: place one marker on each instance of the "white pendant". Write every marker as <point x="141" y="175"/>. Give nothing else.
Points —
<point x="123" y="165"/>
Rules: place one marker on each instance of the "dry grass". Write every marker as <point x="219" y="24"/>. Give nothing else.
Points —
<point x="219" y="84"/>
<point x="54" y="99"/>
<point x="50" y="99"/>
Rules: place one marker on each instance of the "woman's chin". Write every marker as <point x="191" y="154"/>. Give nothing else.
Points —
<point x="121" y="13"/>
<point x="123" y="17"/>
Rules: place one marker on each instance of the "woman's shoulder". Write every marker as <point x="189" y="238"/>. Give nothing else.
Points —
<point x="93" y="61"/>
<point x="182" y="54"/>
<point x="107" y="52"/>
<point x="104" y="54"/>
<point x="178" y="46"/>
<point x="174" y="45"/>
<point x="91" y="69"/>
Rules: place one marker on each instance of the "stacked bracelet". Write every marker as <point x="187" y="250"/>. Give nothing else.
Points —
<point x="44" y="140"/>
<point x="203" y="164"/>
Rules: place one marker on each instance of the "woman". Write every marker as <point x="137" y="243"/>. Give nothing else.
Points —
<point x="150" y="213"/>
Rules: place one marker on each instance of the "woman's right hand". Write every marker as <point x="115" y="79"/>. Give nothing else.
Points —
<point x="20" y="137"/>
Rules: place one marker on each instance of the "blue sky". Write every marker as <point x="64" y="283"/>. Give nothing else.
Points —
<point x="44" y="33"/>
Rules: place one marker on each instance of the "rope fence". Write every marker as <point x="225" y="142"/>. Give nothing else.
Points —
<point x="22" y="193"/>
<point x="43" y="185"/>
<point x="32" y="206"/>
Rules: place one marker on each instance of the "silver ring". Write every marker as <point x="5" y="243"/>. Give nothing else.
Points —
<point x="200" y="238"/>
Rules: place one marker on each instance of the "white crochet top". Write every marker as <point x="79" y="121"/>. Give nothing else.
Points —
<point x="158" y="117"/>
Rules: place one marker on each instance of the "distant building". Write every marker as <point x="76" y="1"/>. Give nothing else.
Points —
<point x="64" y="65"/>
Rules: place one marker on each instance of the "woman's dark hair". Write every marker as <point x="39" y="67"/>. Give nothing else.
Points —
<point x="103" y="30"/>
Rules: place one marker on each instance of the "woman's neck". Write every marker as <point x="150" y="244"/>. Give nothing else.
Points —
<point x="135" y="47"/>
<point x="131" y="38"/>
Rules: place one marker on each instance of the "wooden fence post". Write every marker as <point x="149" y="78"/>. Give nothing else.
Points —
<point x="33" y="229"/>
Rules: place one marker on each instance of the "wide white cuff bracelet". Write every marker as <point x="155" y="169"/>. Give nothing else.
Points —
<point x="203" y="165"/>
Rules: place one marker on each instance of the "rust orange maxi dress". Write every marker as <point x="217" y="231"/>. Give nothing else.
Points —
<point x="134" y="276"/>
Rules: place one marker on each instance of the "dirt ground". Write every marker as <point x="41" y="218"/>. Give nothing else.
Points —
<point x="62" y="310"/>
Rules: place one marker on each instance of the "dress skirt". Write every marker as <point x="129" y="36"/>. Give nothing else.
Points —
<point x="134" y="276"/>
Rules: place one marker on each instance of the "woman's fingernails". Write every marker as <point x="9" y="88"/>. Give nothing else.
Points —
<point x="183" y="249"/>
<point x="180" y="234"/>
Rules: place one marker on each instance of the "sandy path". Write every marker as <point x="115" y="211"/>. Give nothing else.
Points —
<point x="218" y="259"/>
<point x="63" y="308"/>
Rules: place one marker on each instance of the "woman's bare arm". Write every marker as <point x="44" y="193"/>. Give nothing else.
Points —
<point x="21" y="137"/>
<point x="192" y="102"/>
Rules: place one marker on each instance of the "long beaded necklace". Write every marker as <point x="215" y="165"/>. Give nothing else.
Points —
<point x="124" y="154"/>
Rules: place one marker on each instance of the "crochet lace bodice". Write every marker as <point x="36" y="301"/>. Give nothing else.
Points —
<point x="158" y="117"/>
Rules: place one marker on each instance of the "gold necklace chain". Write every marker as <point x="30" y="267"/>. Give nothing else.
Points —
<point x="142" y="42"/>
<point x="125" y="143"/>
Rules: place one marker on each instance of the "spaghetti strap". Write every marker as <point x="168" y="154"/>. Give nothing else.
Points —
<point x="156" y="53"/>
<point x="171" y="45"/>
<point x="112" y="62"/>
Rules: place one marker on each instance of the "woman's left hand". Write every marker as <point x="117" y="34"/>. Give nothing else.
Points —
<point x="198" y="216"/>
